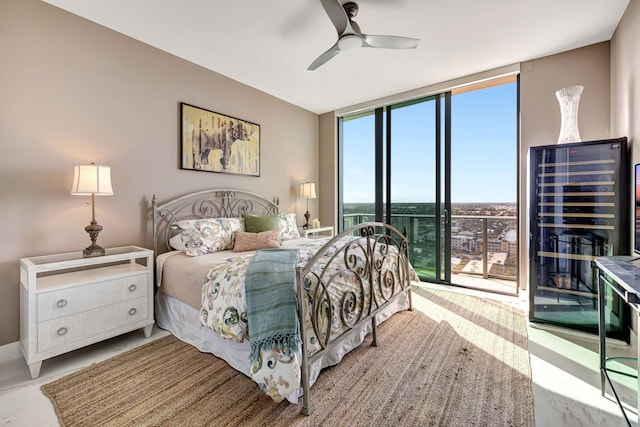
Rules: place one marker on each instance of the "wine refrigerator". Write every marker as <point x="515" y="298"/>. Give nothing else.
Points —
<point x="578" y="210"/>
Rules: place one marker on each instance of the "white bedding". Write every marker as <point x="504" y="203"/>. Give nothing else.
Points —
<point x="190" y="269"/>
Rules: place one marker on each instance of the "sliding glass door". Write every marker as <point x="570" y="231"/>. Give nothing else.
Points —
<point x="358" y="169"/>
<point x="415" y="203"/>
<point x="443" y="169"/>
<point x="391" y="171"/>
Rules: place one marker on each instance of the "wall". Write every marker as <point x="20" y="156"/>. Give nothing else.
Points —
<point x="625" y="84"/>
<point x="75" y="92"/>
<point x="625" y="95"/>
<point x="328" y="179"/>
<point x="540" y="113"/>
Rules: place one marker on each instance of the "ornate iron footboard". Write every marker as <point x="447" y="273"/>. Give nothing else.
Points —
<point x="377" y="264"/>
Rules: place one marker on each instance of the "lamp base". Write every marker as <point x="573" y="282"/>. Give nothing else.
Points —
<point x="93" y="250"/>
<point x="307" y="215"/>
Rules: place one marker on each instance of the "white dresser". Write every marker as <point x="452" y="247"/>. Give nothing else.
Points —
<point x="68" y="302"/>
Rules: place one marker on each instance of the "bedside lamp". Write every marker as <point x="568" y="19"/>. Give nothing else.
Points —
<point x="92" y="180"/>
<point x="307" y="191"/>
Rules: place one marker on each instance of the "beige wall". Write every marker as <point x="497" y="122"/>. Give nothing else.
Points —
<point x="540" y="112"/>
<point x="625" y="84"/>
<point x="328" y="180"/>
<point x="74" y="92"/>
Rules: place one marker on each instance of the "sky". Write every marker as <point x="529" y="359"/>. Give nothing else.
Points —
<point x="483" y="150"/>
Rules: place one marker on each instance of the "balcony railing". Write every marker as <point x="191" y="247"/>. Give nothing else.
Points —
<point x="478" y="244"/>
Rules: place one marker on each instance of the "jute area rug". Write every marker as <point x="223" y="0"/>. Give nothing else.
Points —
<point x="455" y="360"/>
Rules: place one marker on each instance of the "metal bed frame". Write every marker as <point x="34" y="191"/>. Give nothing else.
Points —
<point x="377" y="261"/>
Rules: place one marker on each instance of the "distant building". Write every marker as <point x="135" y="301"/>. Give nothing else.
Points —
<point x="463" y="243"/>
<point x="497" y="246"/>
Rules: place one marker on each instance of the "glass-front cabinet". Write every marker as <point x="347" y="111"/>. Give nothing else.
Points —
<point x="579" y="209"/>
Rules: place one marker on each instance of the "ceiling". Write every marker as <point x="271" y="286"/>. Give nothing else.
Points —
<point x="268" y="44"/>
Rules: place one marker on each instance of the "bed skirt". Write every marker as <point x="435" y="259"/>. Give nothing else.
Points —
<point x="183" y="321"/>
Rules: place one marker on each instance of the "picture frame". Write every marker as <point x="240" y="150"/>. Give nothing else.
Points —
<point x="214" y="142"/>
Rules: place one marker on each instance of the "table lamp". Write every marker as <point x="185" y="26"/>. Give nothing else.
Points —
<point x="92" y="180"/>
<point x="307" y="191"/>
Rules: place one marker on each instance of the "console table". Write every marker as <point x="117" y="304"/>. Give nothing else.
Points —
<point x="622" y="275"/>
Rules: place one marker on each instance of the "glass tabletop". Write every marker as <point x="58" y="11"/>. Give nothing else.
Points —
<point x="74" y="256"/>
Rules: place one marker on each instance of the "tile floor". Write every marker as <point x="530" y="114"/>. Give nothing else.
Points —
<point x="565" y="378"/>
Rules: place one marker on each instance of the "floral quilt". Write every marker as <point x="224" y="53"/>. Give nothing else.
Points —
<point x="224" y="310"/>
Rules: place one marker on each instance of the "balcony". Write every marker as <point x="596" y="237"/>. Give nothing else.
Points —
<point x="483" y="248"/>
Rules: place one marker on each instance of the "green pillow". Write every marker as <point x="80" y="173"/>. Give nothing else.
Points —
<point x="260" y="223"/>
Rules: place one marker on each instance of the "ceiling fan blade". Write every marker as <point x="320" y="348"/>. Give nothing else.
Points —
<point x="320" y="60"/>
<point x="389" y="42"/>
<point x="337" y="15"/>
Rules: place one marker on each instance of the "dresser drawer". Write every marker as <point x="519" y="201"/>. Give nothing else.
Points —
<point x="65" y="302"/>
<point x="63" y="331"/>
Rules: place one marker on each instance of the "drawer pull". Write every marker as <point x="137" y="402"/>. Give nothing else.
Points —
<point x="62" y="331"/>
<point x="132" y="288"/>
<point x="132" y="311"/>
<point x="61" y="303"/>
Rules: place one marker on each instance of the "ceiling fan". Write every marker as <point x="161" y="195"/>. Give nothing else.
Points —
<point x="349" y="35"/>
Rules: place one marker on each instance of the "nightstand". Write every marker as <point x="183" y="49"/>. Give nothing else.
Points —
<point x="310" y="233"/>
<point x="68" y="302"/>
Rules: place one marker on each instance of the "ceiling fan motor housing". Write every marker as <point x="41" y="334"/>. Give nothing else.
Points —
<point x="349" y="42"/>
<point x="351" y="8"/>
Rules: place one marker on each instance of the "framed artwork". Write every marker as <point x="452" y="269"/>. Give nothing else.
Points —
<point x="213" y="142"/>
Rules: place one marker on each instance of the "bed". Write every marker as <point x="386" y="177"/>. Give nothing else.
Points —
<point x="344" y="287"/>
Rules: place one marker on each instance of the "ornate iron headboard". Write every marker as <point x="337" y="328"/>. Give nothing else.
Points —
<point x="221" y="203"/>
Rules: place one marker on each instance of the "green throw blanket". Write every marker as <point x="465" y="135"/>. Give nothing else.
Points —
<point x="271" y="301"/>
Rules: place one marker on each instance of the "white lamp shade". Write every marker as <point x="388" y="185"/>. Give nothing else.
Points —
<point x="91" y="179"/>
<point x="308" y="190"/>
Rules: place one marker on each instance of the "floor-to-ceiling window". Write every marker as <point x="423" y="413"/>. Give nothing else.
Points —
<point x="394" y="182"/>
<point x="412" y="178"/>
<point x="484" y="186"/>
<point x="443" y="169"/>
<point x="358" y="169"/>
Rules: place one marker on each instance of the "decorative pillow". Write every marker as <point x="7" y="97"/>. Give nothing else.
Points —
<point x="176" y="242"/>
<point x="289" y="227"/>
<point x="258" y="223"/>
<point x="231" y="226"/>
<point x="253" y="241"/>
<point x="203" y="236"/>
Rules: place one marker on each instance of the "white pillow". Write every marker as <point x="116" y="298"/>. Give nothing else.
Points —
<point x="176" y="242"/>
<point x="289" y="227"/>
<point x="203" y="236"/>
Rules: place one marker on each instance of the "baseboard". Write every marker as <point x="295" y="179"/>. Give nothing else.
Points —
<point x="559" y="330"/>
<point x="10" y="351"/>
<point x="634" y="338"/>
